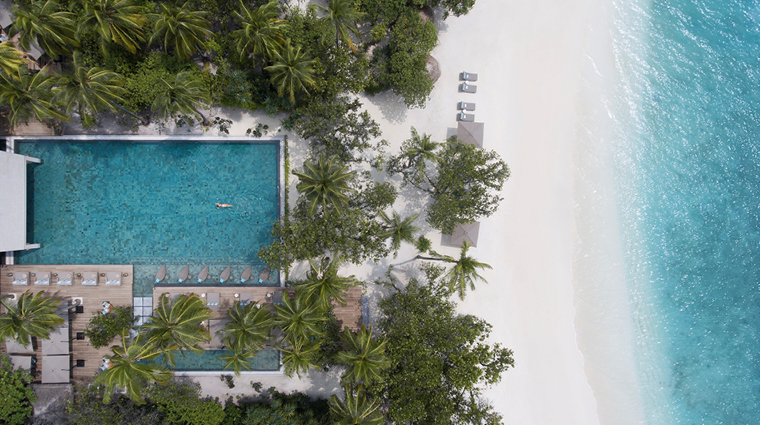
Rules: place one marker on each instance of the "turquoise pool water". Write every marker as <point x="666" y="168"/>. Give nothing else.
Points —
<point x="210" y="361"/>
<point x="687" y="159"/>
<point x="150" y="204"/>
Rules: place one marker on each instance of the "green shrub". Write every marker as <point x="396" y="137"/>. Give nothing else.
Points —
<point x="88" y="409"/>
<point x="181" y="403"/>
<point x="103" y="328"/>
<point x="144" y="84"/>
<point x="16" y="396"/>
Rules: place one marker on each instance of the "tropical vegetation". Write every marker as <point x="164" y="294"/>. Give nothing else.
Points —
<point x="31" y="315"/>
<point x="103" y="328"/>
<point x="17" y="395"/>
<point x="176" y="325"/>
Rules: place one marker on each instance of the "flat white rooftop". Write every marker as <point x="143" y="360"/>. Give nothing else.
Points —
<point x="13" y="201"/>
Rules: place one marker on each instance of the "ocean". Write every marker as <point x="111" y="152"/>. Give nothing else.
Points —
<point x="684" y="146"/>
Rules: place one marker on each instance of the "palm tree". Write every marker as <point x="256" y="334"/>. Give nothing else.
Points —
<point x="237" y="359"/>
<point x="127" y="370"/>
<point x="28" y="95"/>
<point x="247" y="329"/>
<point x="292" y="71"/>
<point x="183" y="95"/>
<point x="45" y="24"/>
<point x="324" y="183"/>
<point x="11" y="59"/>
<point x="415" y="152"/>
<point x="89" y="90"/>
<point x="32" y="315"/>
<point x="364" y="356"/>
<point x="399" y="230"/>
<point x="182" y="29"/>
<point x="324" y="285"/>
<point x="342" y="16"/>
<point x="298" y="319"/>
<point x="261" y="32"/>
<point x="114" y="21"/>
<point x="298" y="355"/>
<point x="355" y="409"/>
<point x="177" y="326"/>
<point x="463" y="274"/>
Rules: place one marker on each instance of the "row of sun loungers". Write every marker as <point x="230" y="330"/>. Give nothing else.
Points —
<point x="467" y="77"/>
<point x="184" y="275"/>
<point x="65" y="278"/>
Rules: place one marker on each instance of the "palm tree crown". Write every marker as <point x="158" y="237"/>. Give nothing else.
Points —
<point x="399" y="230"/>
<point x="247" y="329"/>
<point x="114" y="21"/>
<point x="355" y="409"/>
<point x="324" y="183"/>
<point x="297" y="318"/>
<point x="298" y="355"/>
<point x="464" y="273"/>
<point x="177" y="325"/>
<point x="183" y="95"/>
<point x="32" y="315"/>
<point x="45" y="24"/>
<point x="181" y="29"/>
<point x="28" y="95"/>
<point x="127" y="371"/>
<point x="11" y="59"/>
<point x="415" y="153"/>
<point x="324" y="285"/>
<point x="292" y="71"/>
<point x="261" y="32"/>
<point x="364" y="356"/>
<point x="342" y="16"/>
<point x="90" y="90"/>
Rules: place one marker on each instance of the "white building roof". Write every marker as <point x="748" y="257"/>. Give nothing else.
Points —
<point x="12" y="201"/>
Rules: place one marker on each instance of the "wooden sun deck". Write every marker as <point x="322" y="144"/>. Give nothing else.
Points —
<point x="349" y="315"/>
<point x="92" y="298"/>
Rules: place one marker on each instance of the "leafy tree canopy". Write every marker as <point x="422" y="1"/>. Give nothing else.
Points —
<point x="180" y="402"/>
<point x="463" y="181"/>
<point x="440" y="360"/>
<point x="103" y="328"/>
<point x="17" y="396"/>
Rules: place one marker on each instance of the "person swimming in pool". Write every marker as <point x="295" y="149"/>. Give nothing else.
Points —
<point x="218" y="205"/>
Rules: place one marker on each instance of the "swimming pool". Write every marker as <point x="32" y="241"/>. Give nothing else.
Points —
<point x="149" y="203"/>
<point x="211" y="361"/>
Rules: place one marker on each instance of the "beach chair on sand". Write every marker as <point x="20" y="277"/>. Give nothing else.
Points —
<point x="203" y="274"/>
<point x="21" y="278"/>
<point x="225" y="274"/>
<point x="183" y="274"/>
<point x="465" y="106"/>
<point x="466" y="76"/>
<point x="465" y="117"/>
<point x="467" y="88"/>
<point x="41" y="278"/>
<point x="65" y="278"/>
<point x="161" y="274"/>
<point x="89" y="279"/>
<point x="246" y="274"/>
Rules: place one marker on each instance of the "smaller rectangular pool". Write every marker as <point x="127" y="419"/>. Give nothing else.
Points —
<point x="211" y="361"/>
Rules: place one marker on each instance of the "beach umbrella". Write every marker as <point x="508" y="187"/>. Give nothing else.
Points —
<point x="471" y="133"/>
<point x="466" y="232"/>
<point x="55" y="369"/>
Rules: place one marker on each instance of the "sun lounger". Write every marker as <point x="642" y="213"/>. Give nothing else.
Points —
<point x="277" y="298"/>
<point x="212" y="300"/>
<point x="20" y="278"/>
<point x="64" y="278"/>
<point x="246" y="298"/>
<point x="89" y="279"/>
<point x="41" y="278"/>
<point x="465" y="106"/>
<point x="203" y="274"/>
<point x="183" y="274"/>
<point x="264" y="275"/>
<point x="467" y="88"/>
<point x="161" y="274"/>
<point x="225" y="275"/>
<point x="113" y="279"/>
<point x="465" y="117"/>
<point x="246" y="274"/>
<point x="466" y="76"/>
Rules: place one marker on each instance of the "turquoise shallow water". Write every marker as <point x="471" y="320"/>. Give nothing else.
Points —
<point x="210" y="360"/>
<point x="688" y="186"/>
<point x="150" y="204"/>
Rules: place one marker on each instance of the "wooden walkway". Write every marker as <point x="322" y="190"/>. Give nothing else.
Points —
<point x="92" y="299"/>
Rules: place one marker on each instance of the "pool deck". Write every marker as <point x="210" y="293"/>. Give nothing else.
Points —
<point x="92" y="299"/>
<point x="349" y="315"/>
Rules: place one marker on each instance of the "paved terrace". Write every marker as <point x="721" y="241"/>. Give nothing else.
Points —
<point x="92" y="299"/>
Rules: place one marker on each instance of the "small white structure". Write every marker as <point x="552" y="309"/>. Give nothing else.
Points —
<point x="13" y="202"/>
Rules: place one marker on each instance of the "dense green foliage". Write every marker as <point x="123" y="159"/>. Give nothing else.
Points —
<point x="17" y="396"/>
<point x="462" y="179"/>
<point x="440" y="360"/>
<point x="103" y="328"/>
<point x="464" y="272"/>
<point x="177" y="325"/>
<point x="31" y="315"/>
<point x="181" y="403"/>
<point x="278" y="408"/>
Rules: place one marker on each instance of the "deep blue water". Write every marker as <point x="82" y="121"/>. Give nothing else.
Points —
<point x="688" y="186"/>
<point x="150" y="204"/>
